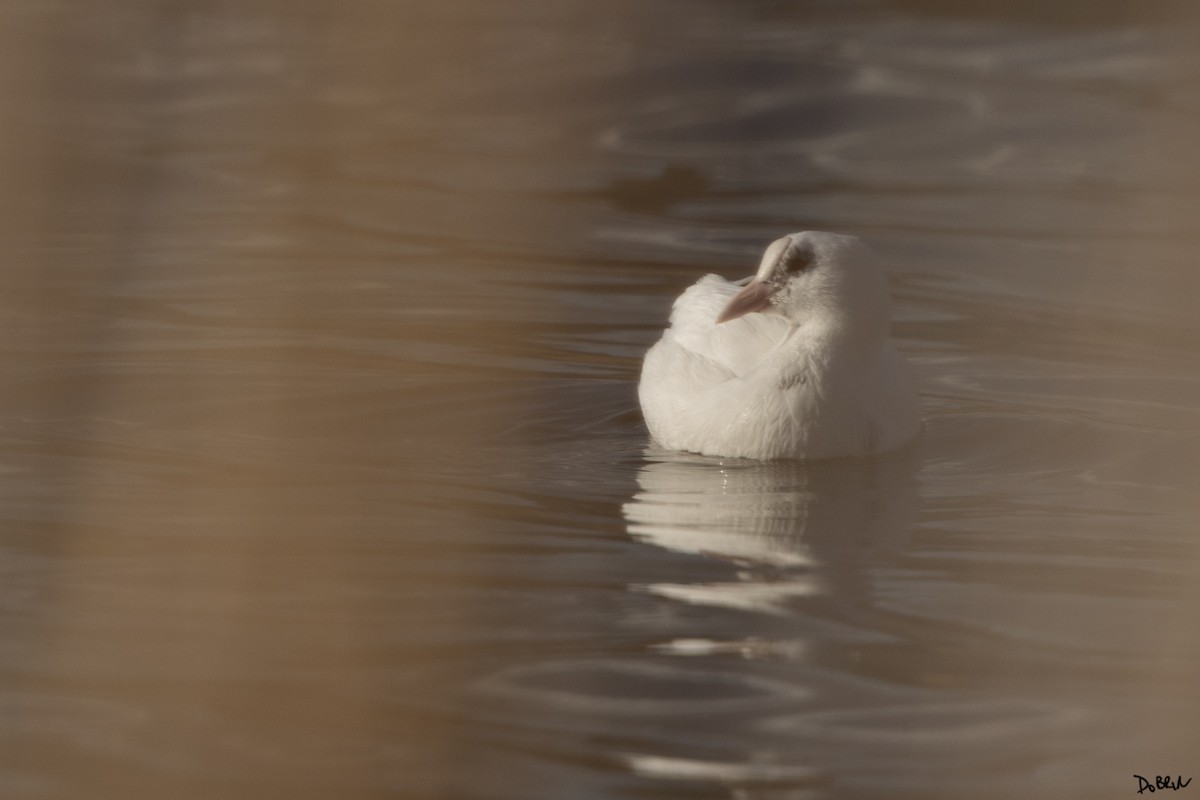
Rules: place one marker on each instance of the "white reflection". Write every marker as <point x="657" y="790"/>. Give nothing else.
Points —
<point x="691" y="769"/>
<point x="793" y="529"/>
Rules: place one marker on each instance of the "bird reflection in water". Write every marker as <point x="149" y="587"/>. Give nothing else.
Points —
<point x="792" y="530"/>
<point x="801" y="538"/>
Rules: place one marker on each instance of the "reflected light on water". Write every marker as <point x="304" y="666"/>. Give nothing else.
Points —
<point x="784" y="525"/>
<point x="208" y="425"/>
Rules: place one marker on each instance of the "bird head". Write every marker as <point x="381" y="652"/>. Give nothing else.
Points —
<point x="815" y="276"/>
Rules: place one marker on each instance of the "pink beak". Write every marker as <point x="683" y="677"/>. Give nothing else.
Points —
<point x="754" y="296"/>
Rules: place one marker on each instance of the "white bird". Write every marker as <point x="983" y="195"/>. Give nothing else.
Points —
<point x="792" y="363"/>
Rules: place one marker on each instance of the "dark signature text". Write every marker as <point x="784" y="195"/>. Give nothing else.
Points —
<point x="1161" y="782"/>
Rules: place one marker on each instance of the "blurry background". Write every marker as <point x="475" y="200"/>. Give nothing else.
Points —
<point x="322" y="470"/>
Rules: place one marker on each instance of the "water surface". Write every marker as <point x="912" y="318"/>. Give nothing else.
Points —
<point x="323" y="469"/>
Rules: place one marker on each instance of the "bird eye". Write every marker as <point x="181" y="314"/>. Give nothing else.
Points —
<point x="797" y="259"/>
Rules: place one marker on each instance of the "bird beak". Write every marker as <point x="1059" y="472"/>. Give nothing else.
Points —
<point x="754" y="296"/>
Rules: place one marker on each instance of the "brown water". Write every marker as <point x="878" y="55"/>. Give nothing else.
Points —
<point x="323" y="475"/>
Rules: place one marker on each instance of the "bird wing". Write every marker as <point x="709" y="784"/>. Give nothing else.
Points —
<point x="738" y="345"/>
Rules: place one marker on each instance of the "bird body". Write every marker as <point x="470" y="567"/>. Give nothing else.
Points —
<point x="792" y="363"/>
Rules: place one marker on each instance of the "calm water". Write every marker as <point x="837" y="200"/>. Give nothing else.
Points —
<point x="323" y="474"/>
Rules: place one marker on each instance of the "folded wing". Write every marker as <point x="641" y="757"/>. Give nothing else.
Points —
<point x="738" y="345"/>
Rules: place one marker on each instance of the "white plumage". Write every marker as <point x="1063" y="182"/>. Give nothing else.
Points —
<point x="792" y="363"/>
